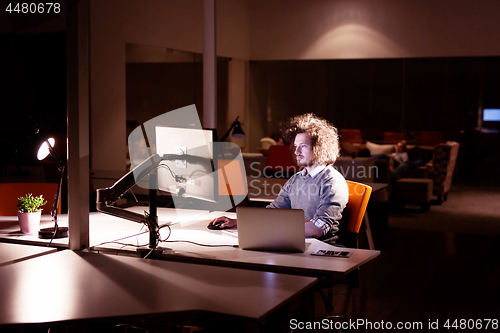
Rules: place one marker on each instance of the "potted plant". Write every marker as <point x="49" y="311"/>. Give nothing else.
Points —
<point x="30" y="212"/>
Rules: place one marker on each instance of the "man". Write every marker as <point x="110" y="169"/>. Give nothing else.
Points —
<point x="319" y="189"/>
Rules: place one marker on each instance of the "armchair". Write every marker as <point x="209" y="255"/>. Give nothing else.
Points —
<point x="265" y="143"/>
<point x="433" y="178"/>
<point x="441" y="168"/>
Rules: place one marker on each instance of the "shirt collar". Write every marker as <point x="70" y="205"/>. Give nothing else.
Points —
<point x="313" y="173"/>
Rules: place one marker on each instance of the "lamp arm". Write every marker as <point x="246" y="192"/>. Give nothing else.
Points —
<point x="57" y="198"/>
<point x="55" y="156"/>
<point x="229" y="130"/>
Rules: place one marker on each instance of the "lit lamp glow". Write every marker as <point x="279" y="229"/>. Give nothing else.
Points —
<point x="44" y="149"/>
<point x="54" y="232"/>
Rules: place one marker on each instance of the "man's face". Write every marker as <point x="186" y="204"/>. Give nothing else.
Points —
<point x="303" y="150"/>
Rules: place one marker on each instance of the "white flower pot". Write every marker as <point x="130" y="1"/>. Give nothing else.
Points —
<point x="29" y="222"/>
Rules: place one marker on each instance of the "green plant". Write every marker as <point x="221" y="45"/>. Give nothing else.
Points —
<point x="30" y="204"/>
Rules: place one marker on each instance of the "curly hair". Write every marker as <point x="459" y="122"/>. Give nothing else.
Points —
<point x="324" y="136"/>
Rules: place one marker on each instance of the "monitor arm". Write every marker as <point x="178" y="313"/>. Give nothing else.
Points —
<point x="106" y="197"/>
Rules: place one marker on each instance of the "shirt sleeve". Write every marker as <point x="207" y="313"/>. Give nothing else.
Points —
<point x="333" y="199"/>
<point x="324" y="226"/>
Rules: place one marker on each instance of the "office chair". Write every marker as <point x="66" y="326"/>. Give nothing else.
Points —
<point x="359" y="195"/>
<point x="354" y="213"/>
<point x="9" y="192"/>
<point x="265" y="143"/>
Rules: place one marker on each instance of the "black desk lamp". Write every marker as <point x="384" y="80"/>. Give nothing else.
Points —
<point x="237" y="130"/>
<point x="54" y="232"/>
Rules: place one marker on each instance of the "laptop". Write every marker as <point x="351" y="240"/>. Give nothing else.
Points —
<point x="270" y="229"/>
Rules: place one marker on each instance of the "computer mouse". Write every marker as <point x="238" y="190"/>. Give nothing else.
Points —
<point x="216" y="226"/>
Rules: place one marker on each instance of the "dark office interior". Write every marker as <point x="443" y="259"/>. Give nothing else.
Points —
<point x="441" y="263"/>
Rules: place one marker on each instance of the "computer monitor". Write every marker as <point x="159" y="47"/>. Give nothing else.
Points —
<point x="193" y="177"/>
<point x="491" y="114"/>
<point x="214" y="172"/>
<point x="186" y="164"/>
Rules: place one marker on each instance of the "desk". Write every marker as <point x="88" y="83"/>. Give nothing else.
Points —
<point x="190" y="225"/>
<point x="11" y="253"/>
<point x="112" y="228"/>
<point x="11" y="233"/>
<point x="97" y="287"/>
<point x="195" y="230"/>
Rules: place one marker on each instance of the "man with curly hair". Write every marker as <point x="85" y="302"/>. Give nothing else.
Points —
<point x="318" y="189"/>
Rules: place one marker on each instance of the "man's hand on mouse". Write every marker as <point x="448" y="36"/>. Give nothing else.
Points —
<point x="226" y="222"/>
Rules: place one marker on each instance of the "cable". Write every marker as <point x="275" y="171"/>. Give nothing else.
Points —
<point x="131" y="326"/>
<point x="207" y="245"/>
<point x="165" y="166"/>
<point x="169" y="232"/>
<point x="186" y="241"/>
<point x="125" y="244"/>
<point x="157" y="236"/>
<point x="154" y="248"/>
<point x="116" y="240"/>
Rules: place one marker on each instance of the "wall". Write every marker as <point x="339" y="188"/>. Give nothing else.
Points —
<point x="173" y="24"/>
<point x="238" y="101"/>
<point x="375" y="95"/>
<point x="273" y="30"/>
<point x="352" y="29"/>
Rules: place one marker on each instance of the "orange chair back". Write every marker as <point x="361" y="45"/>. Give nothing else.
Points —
<point x="359" y="195"/>
<point x="9" y="192"/>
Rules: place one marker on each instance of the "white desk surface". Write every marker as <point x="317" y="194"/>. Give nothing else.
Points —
<point x="11" y="253"/>
<point x="91" y="286"/>
<point x="195" y="230"/>
<point x="190" y="225"/>
<point x="113" y="227"/>
<point x="11" y="232"/>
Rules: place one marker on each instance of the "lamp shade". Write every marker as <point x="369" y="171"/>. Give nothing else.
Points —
<point x="238" y="131"/>
<point x="44" y="151"/>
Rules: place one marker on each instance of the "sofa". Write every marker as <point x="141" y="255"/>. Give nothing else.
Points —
<point x="379" y="152"/>
<point x="421" y="184"/>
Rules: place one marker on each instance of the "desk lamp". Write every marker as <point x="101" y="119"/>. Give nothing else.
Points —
<point x="237" y="130"/>
<point x="54" y="232"/>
